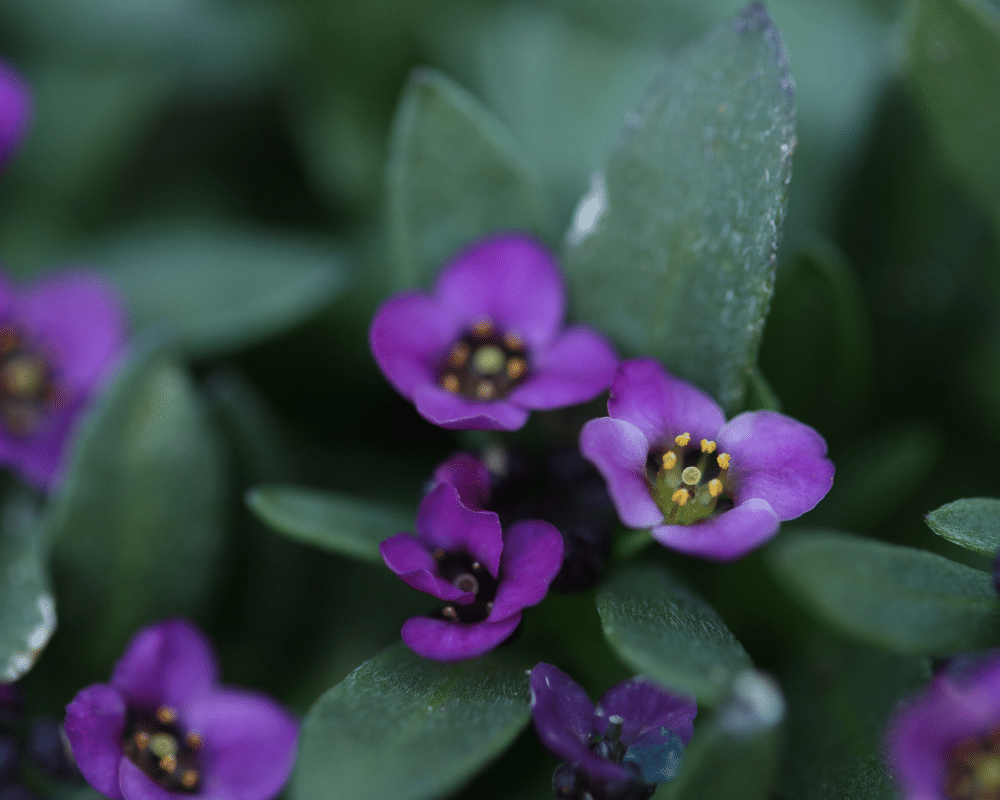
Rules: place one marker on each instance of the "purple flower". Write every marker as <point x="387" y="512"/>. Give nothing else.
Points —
<point x="485" y="576"/>
<point x="488" y="345"/>
<point x="15" y="111"/>
<point x="945" y="741"/>
<point x="704" y="486"/>
<point x="59" y="338"/>
<point x="619" y="750"/>
<point x="165" y="729"/>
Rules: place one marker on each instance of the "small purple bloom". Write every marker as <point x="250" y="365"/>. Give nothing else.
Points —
<point x="15" y="111"/>
<point x="944" y="743"/>
<point x="488" y="345"/>
<point x="461" y="556"/>
<point x="703" y="486"/>
<point x="164" y="729"/>
<point x="620" y="750"/>
<point x="59" y="339"/>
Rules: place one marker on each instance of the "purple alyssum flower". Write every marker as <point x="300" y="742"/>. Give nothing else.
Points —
<point x="487" y="346"/>
<point x="944" y="742"/>
<point x="484" y="575"/>
<point x="15" y="111"/>
<point x="619" y="750"/>
<point x="59" y="339"/>
<point x="164" y="729"/>
<point x="702" y="485"/>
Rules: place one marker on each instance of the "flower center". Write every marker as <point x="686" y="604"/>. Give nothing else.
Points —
<point x="485" y="364"/>
<point x="157" y="745"/>
<point x="27" y="386"/>
<point x="469" y="575"/>
<point x="974" y="768"/>
<point x="688" y="480"/>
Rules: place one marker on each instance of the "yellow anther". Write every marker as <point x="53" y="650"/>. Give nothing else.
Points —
<point x="483" y="328"/>
<point x="715" y="487"/>
<point x="189" y="779"/>
<point x="707" y="446"/>
<point x="8" y="338"/>
<point x="450" y="383"/>
<point x="459" y="355"/>
<point x="488" y="360"/>
<point x="449" y="612"/>
<point x="669" y="460"/>
<point x="513" y="341"/>
<point x="723" y="460"/>
<point x="168" y="764"/>
<point x="166" y="715"/>
<point x="194" y="740"/>
<point x="680" y="497"/>
<point x="439" y="553"/>
<point x="516" y="367"/>
<point x="141" y="740"/>
<point x="485" y="390"/>
<point x="683" y="439"/>
<point x="691" y="476"/>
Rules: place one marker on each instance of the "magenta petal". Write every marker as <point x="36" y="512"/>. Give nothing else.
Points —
<point x="443" y="522"/>
<point x="442" y="640"/>
<point x="409" y="337"/>
<point x="169" y="663"/>
<point x="532" y="556"/>
<point x="730" y="535"/>
<point x="95" y="721"/>
<point x="136" y="785"/>
<point x="646" y="706"/>
<point x="249" y="744"/>
<point x="618" y="449"/>
<point x="562" y="713"/>
<point x="415" y="567"/>
<point x="15" y="111"/>
<point x="469" y="476"/>
<point x="459" y="414"/>
<point x="577" y="368"/>
<point x="660" y="405"/>
<point x="777" y="459"/>
<point x="511" y="279"/>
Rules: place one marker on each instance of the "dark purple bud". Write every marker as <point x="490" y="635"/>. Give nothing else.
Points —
<point x="16" y="791"/>
<point x="11" y="703"/>
<point x="48" y="750"/>
<point x="10" y="757"/>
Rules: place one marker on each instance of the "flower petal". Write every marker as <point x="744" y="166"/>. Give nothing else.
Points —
<point x="409" y="336"/>
<point x="469" y="476"/>
<point x="442" y="521"/>
<point x="455" y="641"/>
<point x="619" y="449"/>
<point x="136" y="785"/>
<point x="532" y="557"/>
<point x="170" y="663"/>
<point x="660" y="405"/>
<point x="95" y="721"/>
<point x="777" y="459"/>
<point x="406" y="557"/>
<point x="562" y="713"/>
<point x="577" y="368"/>
<point x="460" y="414"/>
<point x="645" y="706"/>
<point x="728" y="536"/>
<point x="15" y="111"/>
<point x="40" y="458"/>
<point x="249" y="744"/>
<point x="511" y="279"/>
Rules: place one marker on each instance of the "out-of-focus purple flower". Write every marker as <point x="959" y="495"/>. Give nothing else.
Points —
<point x="59" y="339"/>
<point x="164" y="728"/>
<point x="703" y="486"/>
<point x="619" y="750"/>
<point x="944" y="742"/>
<point x="15" y="111"/>
<point x="487" y="346"/>
<point x="485" y="576"/>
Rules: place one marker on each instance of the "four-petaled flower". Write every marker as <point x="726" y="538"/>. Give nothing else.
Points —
<point x="164" y="727"/>
<point x="702" y="485"/>
<point x="15" y="111"/>
<point x="59" y="339"/>
<point x="484" y="575"/>
<point x="488" y="345"/>
<point x="619" y="750"/>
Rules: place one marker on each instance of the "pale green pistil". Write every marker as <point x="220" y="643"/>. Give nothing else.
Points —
<point x="688" y="480"/>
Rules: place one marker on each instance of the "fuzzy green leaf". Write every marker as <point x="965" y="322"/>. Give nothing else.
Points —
<point x="973" y="523"/>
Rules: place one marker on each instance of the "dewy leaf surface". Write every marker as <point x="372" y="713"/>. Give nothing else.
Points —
<point x="890" y="596"/>
<point x="408" y="728"/>
<point x="454" y="174"/>
<point x="973" y="523"/>
<point x="657" y="625"/>
<point x="682" y="227"/>
<point x="351" y="526"/>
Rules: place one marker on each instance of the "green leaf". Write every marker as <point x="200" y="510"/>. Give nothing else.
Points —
<point x="896" y="597"/>
<point x="973" y="523"/>
<point x="404" y="727"/>
<point x="760" y="395"/>
<point x="953" y="67"/>
<point x="351" y="526"/>
<point x="454" y="174"/>
<point x="136" y="526"/>
<point x="682" y="227"/>
<point x="220" y="288"/>
<point x="657" y="625"/>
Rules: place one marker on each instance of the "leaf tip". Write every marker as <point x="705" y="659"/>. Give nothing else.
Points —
<point x="754" y="18"/>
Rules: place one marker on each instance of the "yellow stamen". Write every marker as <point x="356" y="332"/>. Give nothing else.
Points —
<point x="723" y="460"/>
<point x="683" y="439"/>
<point x="166" y="715"/>
<point x="194" y="740"/>
<point x="680" y="497"/>
<point x="459" y="355"/>
<point x="707" y="446"/>
<point x="669" y="460"/>
<point x="483" y="328"/>
<point x="449" y="612"/>
<point x="488" y="360"/>
<point x="168" y="764"/>
<point x="450" y="383"/>
<point x="715" y="487"/>
<point x="141" y="740"/>
<point x="516" y="367"/>
<point x="486" y="390"/>
<point x="513" y="341"/>
<point x="189" y="779"/>
<point x="691" y="476"/>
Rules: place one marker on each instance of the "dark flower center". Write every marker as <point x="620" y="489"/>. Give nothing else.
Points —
<point x="485" y="363"/>
<point x="974" y="768"/>
<point x="571" y="782"/>
<point x="467" y="574"/>
<point x="27" y="386"/>
<point x="157" y="745"/>
<point x="690" y="480"/>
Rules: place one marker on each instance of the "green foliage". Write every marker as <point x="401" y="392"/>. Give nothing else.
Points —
<point x="973" y="523"/>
